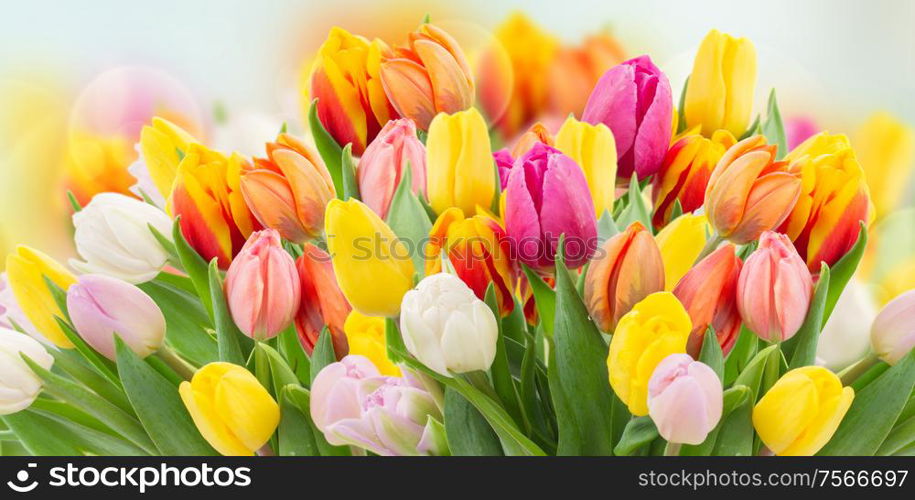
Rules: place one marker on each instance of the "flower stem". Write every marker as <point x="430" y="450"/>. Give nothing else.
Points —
<point x="851" y="373"/>
<point x="709" y="247"/>
<point x="672" y="449"/>
<point x="176" y="362"/>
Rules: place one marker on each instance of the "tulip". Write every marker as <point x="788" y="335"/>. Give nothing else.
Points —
<point x="547" y="196"/>
<point x="845" y="338"/>
<point x="685" y="399"/>
<point x="893" y="331"/>
<point x="162" y="146"/>
<point x="289" y="189"/>
<point x="447" y="328"/>
<point x="886" y="149"/>
<point x="19" y="385"/>
<point x="798" y="129"/>
<point x="323" y="304"/>
<point x="720" y="90"/>
<point x="685" y="173"/>
<point x="230" y="408"/>
<point x="207" y="196"/>
<point x="504" y="162"/>
<point x="748" y="192"/>
<point x="629" y="270"/>
<point x="346" y="81"/>
<point x="113" y="236"/>
<point x="633" y="99"/>
<point x="576" y="69"/>
<point x="352" y="404"/>
<point x="382" y="166"/>
<point x="11" y="315"/>
<point x="27" y="270"/>
<point x="800" y="413"/>
<point x="366" y="337"/>
<point x="537" y="133"/>
<point x="592" y="147"/>
<point x="427" y="77"/>
<point x="707" y="292"/>
<point x="655" y="328"/>
<point x="478" y="249"/>
<point x="681" y="242"/>
<point x="365" y="254"/>
<point x="459" y="162"/>
<point x="101" y="307"/>
<point x="833" y="202"/>
<point x="262" y="287"/>
<point x="774" y="289"/>
<point x="95" y="163"/>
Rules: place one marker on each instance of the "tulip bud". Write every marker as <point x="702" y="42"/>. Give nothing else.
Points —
<point x="323" y="304"/>
<point x="748" y="192"/>
<point x="230" y="408"/>
<point x="845" y="338"/>
<point x="833" y="201"/>
<point x="800" y="413"/>
<point x="459" y="162"/>
<point x="289" y="189"/>
<point x="537" y="133"/>
<point x="382" y="166"/>
<point x="447" y="327"/>
<point x="262" y="287"/>
<point x="162" y="146"/>
<point x="547" y="196"/>
<point x="629" y="270"/>
<point x="101" y="307"/>
<point x="680" y="242"/>
<point x="593" y="148"/>
<point x="886" y="147"/>
<point x="720" y="90"/>
<point x="893" y="331"/>
<point x="26" y="270"/>
<point x="113" y="237"/>
<point x="427" y="77"/>
<point x="352" y="404"/>
<point x="365" y="252"/>
<point x="655" y="327"/>
<point x="633" y="100"/>
<point x="19" y="385"/>
<point x="707" y="292"/>
<point x="366" y="337"/>
<point x="685" y="399"/>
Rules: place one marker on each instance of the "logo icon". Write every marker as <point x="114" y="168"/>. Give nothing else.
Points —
<point x="22" y="476"/>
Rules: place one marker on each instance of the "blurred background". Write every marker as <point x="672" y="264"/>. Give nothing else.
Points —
<point x="79" y="79"/>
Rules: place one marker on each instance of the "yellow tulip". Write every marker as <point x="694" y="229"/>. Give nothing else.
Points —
<point x="365" y="335"/>
<point x="230" y="408"/>
<point x="886" y="150"/>
<point x="680" y="243"/>
<point x="655" y="328"/>
<point x="720" y="90"/>
<point x="594" y="150"/>
<point x="373" y="267"/>
<point x="460" y="169"/>
<point x="26" y="269"/>
<point x="163" y="145"/>
<point x="801" y="412"/>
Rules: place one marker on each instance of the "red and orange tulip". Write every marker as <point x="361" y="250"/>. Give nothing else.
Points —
<point x="323" y="304"/>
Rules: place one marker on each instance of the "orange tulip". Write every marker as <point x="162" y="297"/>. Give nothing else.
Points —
<point x="629" y="270"/>
<point x="749" y="192"/>
<point x="427" y="77"/>
<point x="323" y="304"/>
<point x="289" y="189"/>
<point x="576" y="70"/>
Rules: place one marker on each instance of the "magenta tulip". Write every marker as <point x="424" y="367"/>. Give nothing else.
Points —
<point x="381" y="166"/>
<point x="774" y="289"/>
<point x="893" y="331"/>
<point x="504" y="161"/>
<point x="633" y="99"/>
<point x="262" y="286"/>
<point x="101" y="307"/>
<point x="685" y="399"/>
<point x="547" y="196"/>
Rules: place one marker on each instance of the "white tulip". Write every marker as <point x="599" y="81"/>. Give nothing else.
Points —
<point x="19" y="385"/>
<point x="113" y="237"/>
<point x="446" y="327"/>
<point x="846" y="336"/>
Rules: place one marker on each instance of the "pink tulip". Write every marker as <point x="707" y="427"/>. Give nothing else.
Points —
<point x="798" y="129"/>
<point x="101" y="307"/>
<point x="684" y="399"/>
<point x="893" y="331"/>
<point x="504" y="161"/>
<point x="262" y="286"/>
<point x="633" y="99"/>
<point x="352" y="404"/>
<point x="547" y="196"/>
<point x="381" y="166"/>
<point x="774" y="289"/>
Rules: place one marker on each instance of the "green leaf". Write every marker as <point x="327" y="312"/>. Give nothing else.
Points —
<point x="636" y="209"/>
<point x="902" y="435"/>
<point x="869" y="376"/>
<point x="348" y="171"/>
<point x="741" y="354"/>
<point x="323" y="353"/>
<point x="301" y="399"/>
<point x="606" y="227"/>
<point x="101" y="364"/>
<point x="231" y="342"/>
<point x="735" y="436"/>
<point x="59" y="295"/>
<point x="502" y="380"/>
<point x="409" y="221"/>
<point x="681" y="109"/>
<point x="281" y="374"/>
<point x="187" y="324"/>
<point x="159" y="406"/>
<point x="469" y="434"/>
<point x="732" y="398"/>
<point x="842" y="271"/>
<point x="74" y="203"/>
<point x="639" y="432"/>
<point x="752" y="130"/>
<point x="296" y="432"/>
<point x="752" y="375"/>
<point x="874" y="411"/>
<point x="78" y="368"/>
<point x="291" y="350"/>
<point x="711" y="354"/>
<point x="802" y="348"/>
<point x="544" y="299"/>
<point x="773" y="128"/>
<point x="165" y="243"/>
<point x="330" y="151"/>
<point x="44" y="435"/>
<point x="194" y="266"/>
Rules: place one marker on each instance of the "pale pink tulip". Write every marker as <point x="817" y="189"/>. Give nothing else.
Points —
<point x="382" y="166"/>
<point x="893" y="331"/>
<point x="685" y="399"/>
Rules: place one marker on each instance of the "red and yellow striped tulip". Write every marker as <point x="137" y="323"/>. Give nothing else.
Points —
<point x="323" y="304"/>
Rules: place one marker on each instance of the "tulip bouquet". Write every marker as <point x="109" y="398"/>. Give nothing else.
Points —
<point x="639" y="279"/>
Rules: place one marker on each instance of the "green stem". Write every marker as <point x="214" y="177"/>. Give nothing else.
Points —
<point x="176" y="362"/>
<point x="709" y="247"/>
<point x="851" y="373"/>
<point x="672" y="449"/>
<point x="480" y="382"/>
